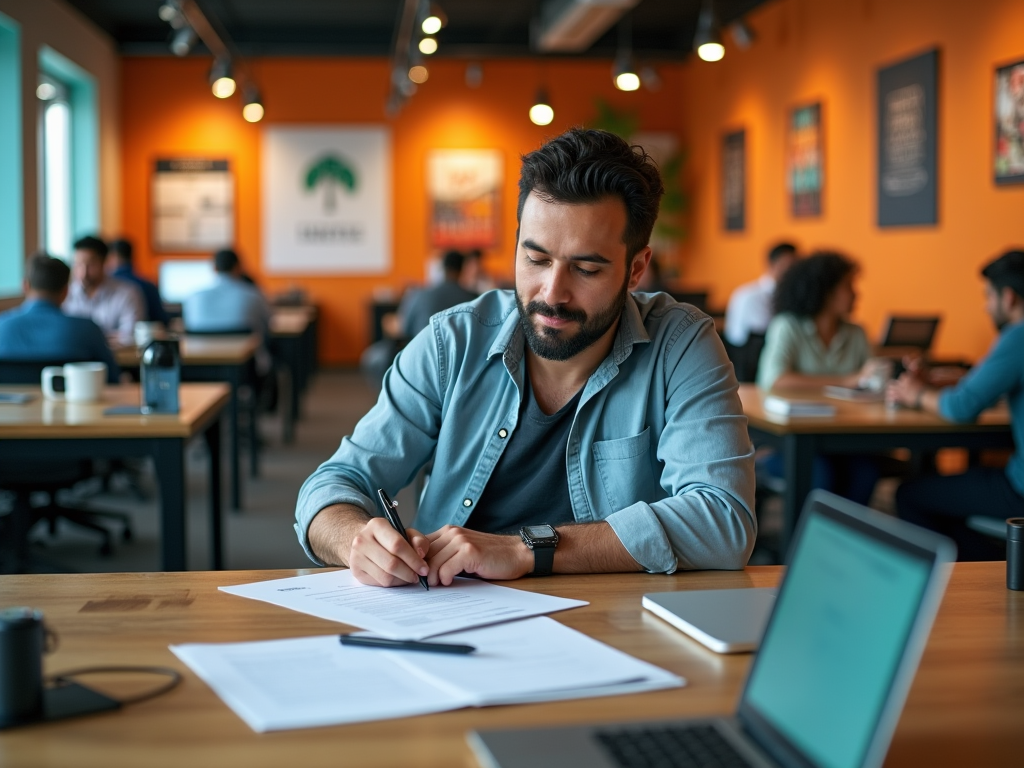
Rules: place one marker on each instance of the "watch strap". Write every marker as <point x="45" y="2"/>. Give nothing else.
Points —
<point x="543" y="560"/>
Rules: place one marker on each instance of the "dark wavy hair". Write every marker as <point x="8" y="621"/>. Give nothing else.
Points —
<point x="1007" y="272"/>
<point x="584" y="165"/>
<point x="805" y="288"/>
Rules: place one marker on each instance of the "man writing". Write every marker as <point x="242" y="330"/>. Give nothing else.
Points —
<point x="944" y="503"/>
<point x="572" y="427"/>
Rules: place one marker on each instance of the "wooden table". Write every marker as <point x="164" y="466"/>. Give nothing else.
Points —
<point x="48" y="429"/>
<point x="217" y="358"/>
<point x="965" y="707"/>
<point x="860" y="428"/>
<point x="293" y="338"/>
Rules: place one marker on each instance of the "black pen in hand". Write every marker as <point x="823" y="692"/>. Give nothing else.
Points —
<point x="392" y="516"/>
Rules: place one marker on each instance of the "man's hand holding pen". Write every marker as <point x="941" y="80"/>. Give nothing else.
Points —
<point x="380" y="556"/>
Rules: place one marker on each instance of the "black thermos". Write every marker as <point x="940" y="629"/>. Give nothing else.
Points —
<point x="1015" y="553"/>
<point x="22" y="640"/>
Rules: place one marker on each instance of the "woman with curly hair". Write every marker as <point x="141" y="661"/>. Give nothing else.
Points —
<point x="811" y="341"/>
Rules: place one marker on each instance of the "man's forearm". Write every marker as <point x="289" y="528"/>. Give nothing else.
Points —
<point x="332" y="530"/>
<point x="592" y="548"/>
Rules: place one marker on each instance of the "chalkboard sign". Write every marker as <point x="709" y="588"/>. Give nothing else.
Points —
<point x="907" y="142"/>
<point x="734" y="172"/>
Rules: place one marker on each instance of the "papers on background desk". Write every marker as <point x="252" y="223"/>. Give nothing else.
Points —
<point x="315" y="681"/>
<point x="405" y="613"/>
<point x="780" y="406"/>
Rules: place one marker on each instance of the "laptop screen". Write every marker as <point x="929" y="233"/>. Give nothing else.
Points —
<point x="179" y="279"/>
<point x="829" y="657"/>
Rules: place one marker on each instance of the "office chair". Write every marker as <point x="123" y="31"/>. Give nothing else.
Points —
<point x="746" y="357"/>
<point x="24" y="477"/>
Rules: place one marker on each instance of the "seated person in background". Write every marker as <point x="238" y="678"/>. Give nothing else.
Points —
<point x="604" y="428"/>
<point x="944" y="503"/>
<point x="119" y="266"/>
<point x="416" y="311"/>
<point x="114" y="305"/>
<point x="230" y="305"/>
<point x="812" y="343"/>
<point x="750" y="307"/>
<point x="38" y="330"/>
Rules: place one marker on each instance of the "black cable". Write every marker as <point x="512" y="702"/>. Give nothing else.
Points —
<point x="65" y="677"/>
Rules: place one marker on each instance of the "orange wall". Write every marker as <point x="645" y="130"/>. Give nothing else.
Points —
<point x="168" y="111"/>
<point x="808" y="50"/>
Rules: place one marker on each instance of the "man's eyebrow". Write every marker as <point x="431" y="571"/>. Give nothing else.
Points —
<point x="593" y="258"/>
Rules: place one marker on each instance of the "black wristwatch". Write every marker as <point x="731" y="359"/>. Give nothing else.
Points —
<point x="542" y="539"/>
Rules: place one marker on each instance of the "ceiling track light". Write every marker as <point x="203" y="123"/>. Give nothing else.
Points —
<point x="623" y="71"/>
<point x="221" y="82"/>
<point x="252" y="104"/>
<point x="435" y="20"/>
<point x="428" y="46"/>
<point x="541" y="112"/>
<point x="742" y="35"/>
<point x="183" y="41"/>
<point x="418" y="74"/>
<point x="168" y="11"/>
<point x="708" y="39"/>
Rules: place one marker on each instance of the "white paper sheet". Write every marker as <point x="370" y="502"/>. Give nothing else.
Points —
<point x="314" y="681"/>
<point x="408" y="613"/>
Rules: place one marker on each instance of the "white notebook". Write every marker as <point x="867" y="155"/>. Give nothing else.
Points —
<point x="783" y="406"/>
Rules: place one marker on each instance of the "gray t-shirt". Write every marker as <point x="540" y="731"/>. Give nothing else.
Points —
<point x="529" y="485"/>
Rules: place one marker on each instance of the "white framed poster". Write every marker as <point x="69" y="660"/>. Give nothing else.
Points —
<point x="193" y="205"/>
<point x="326" y="200"/>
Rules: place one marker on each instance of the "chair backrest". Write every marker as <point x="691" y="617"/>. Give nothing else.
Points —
<point x="699" y="299"/>
<point x="219" y="332"/>
<point x="745" y="358"/>
<point x="28" y="371"/>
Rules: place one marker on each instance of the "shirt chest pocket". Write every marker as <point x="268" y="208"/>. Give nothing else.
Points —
<point x="626" y="471"/>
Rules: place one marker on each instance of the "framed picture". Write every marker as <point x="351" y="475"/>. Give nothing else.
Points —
<point x="804" y="160"/>
<point x="193" y="205"/>
<point x="907" y="142"/>
<point x="464" y="187"/>
<point x="1008" y="165"/>
<point x="734" y="180"/>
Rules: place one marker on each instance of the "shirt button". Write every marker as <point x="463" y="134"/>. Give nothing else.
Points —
<point x="467" y="502"/>
<point x="502" y="433"/>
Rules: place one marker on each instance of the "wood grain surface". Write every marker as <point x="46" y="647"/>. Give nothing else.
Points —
<point x="851" y="417"/>
<point x="42" y="418"/>
<point x="966" y="707"/>
<point x="201" y="350"/>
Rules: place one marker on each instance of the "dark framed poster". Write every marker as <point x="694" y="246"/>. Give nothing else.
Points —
<point x="907" y="142"/>
<point x="734" y="180"/>
<point x="1008" y="165"/>
<point x="804" y="160"/>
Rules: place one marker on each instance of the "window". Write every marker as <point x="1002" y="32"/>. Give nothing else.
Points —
<point x="11" y="190"/>
<point x="55" y="166"/>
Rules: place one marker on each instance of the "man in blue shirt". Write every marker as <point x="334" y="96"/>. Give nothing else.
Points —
<point x="630" y="400"/>
<point x="119" y="265"/>
<point x="944" y="503"/>
<point x="38" y="330"/>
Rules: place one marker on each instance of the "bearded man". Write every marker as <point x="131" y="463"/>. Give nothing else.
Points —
<point x="572" y="425"/>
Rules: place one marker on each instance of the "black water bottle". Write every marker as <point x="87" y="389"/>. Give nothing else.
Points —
<point x="22" y="641"/>
<point x="1015" y="553"/>
<point x="161" y="375"/>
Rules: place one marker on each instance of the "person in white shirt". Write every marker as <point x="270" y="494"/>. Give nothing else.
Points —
<point x="114" y="305"/>
<point x="750" y="306"/>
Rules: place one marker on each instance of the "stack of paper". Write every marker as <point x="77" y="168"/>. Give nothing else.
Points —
<point x="780" y="406"/>
<point x="315" y="681"/>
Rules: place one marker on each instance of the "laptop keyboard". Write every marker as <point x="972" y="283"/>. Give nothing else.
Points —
<point x="688" y="746"/>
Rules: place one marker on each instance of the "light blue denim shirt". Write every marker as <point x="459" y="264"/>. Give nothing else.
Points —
<point x="658" y="447"/>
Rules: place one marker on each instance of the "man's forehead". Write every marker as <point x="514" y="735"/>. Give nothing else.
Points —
<point x="601" y="221"/>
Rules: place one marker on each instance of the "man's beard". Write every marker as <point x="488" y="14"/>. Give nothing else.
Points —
<point x="552" y="343"/>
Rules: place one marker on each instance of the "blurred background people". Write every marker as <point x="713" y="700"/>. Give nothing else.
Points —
<point x="944" y="503"/>
<point x="113" y="304"/>
<point x="750" y="307"/>
<point x="119" y="266"/>
<point x="39" y="330"/>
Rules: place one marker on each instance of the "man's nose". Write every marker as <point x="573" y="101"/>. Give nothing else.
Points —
<point x="556" y="286"/>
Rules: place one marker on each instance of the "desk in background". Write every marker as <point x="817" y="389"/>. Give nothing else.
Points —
<point x="293" y="337"/>
<point x="48" y="429"/>
<point x="856" y="428"/>
<point x="964" y="707"/>
<point x="217" y="358"/>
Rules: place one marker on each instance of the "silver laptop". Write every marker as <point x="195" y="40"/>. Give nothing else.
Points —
<point x="827" y="685"/>
<point x="725" y="620"/>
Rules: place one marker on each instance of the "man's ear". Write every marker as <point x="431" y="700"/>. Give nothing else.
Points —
<point x="638" y="267"/>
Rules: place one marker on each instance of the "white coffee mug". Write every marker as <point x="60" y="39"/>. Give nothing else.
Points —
<point x="83" y="382"/>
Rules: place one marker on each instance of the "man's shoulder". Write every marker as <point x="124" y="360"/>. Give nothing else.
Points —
<point x="489" y="310"/>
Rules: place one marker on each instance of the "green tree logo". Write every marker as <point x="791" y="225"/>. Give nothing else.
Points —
<point x="332" y="173"/>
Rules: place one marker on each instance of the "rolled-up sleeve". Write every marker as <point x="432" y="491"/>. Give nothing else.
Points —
<point x="707" y="520"/>
<point x="389" y="444"/>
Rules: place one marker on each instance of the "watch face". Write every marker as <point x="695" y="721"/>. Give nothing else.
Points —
<point x="540" y="531"/>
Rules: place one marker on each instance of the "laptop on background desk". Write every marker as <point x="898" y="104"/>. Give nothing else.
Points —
<point x="827" y="686"/>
